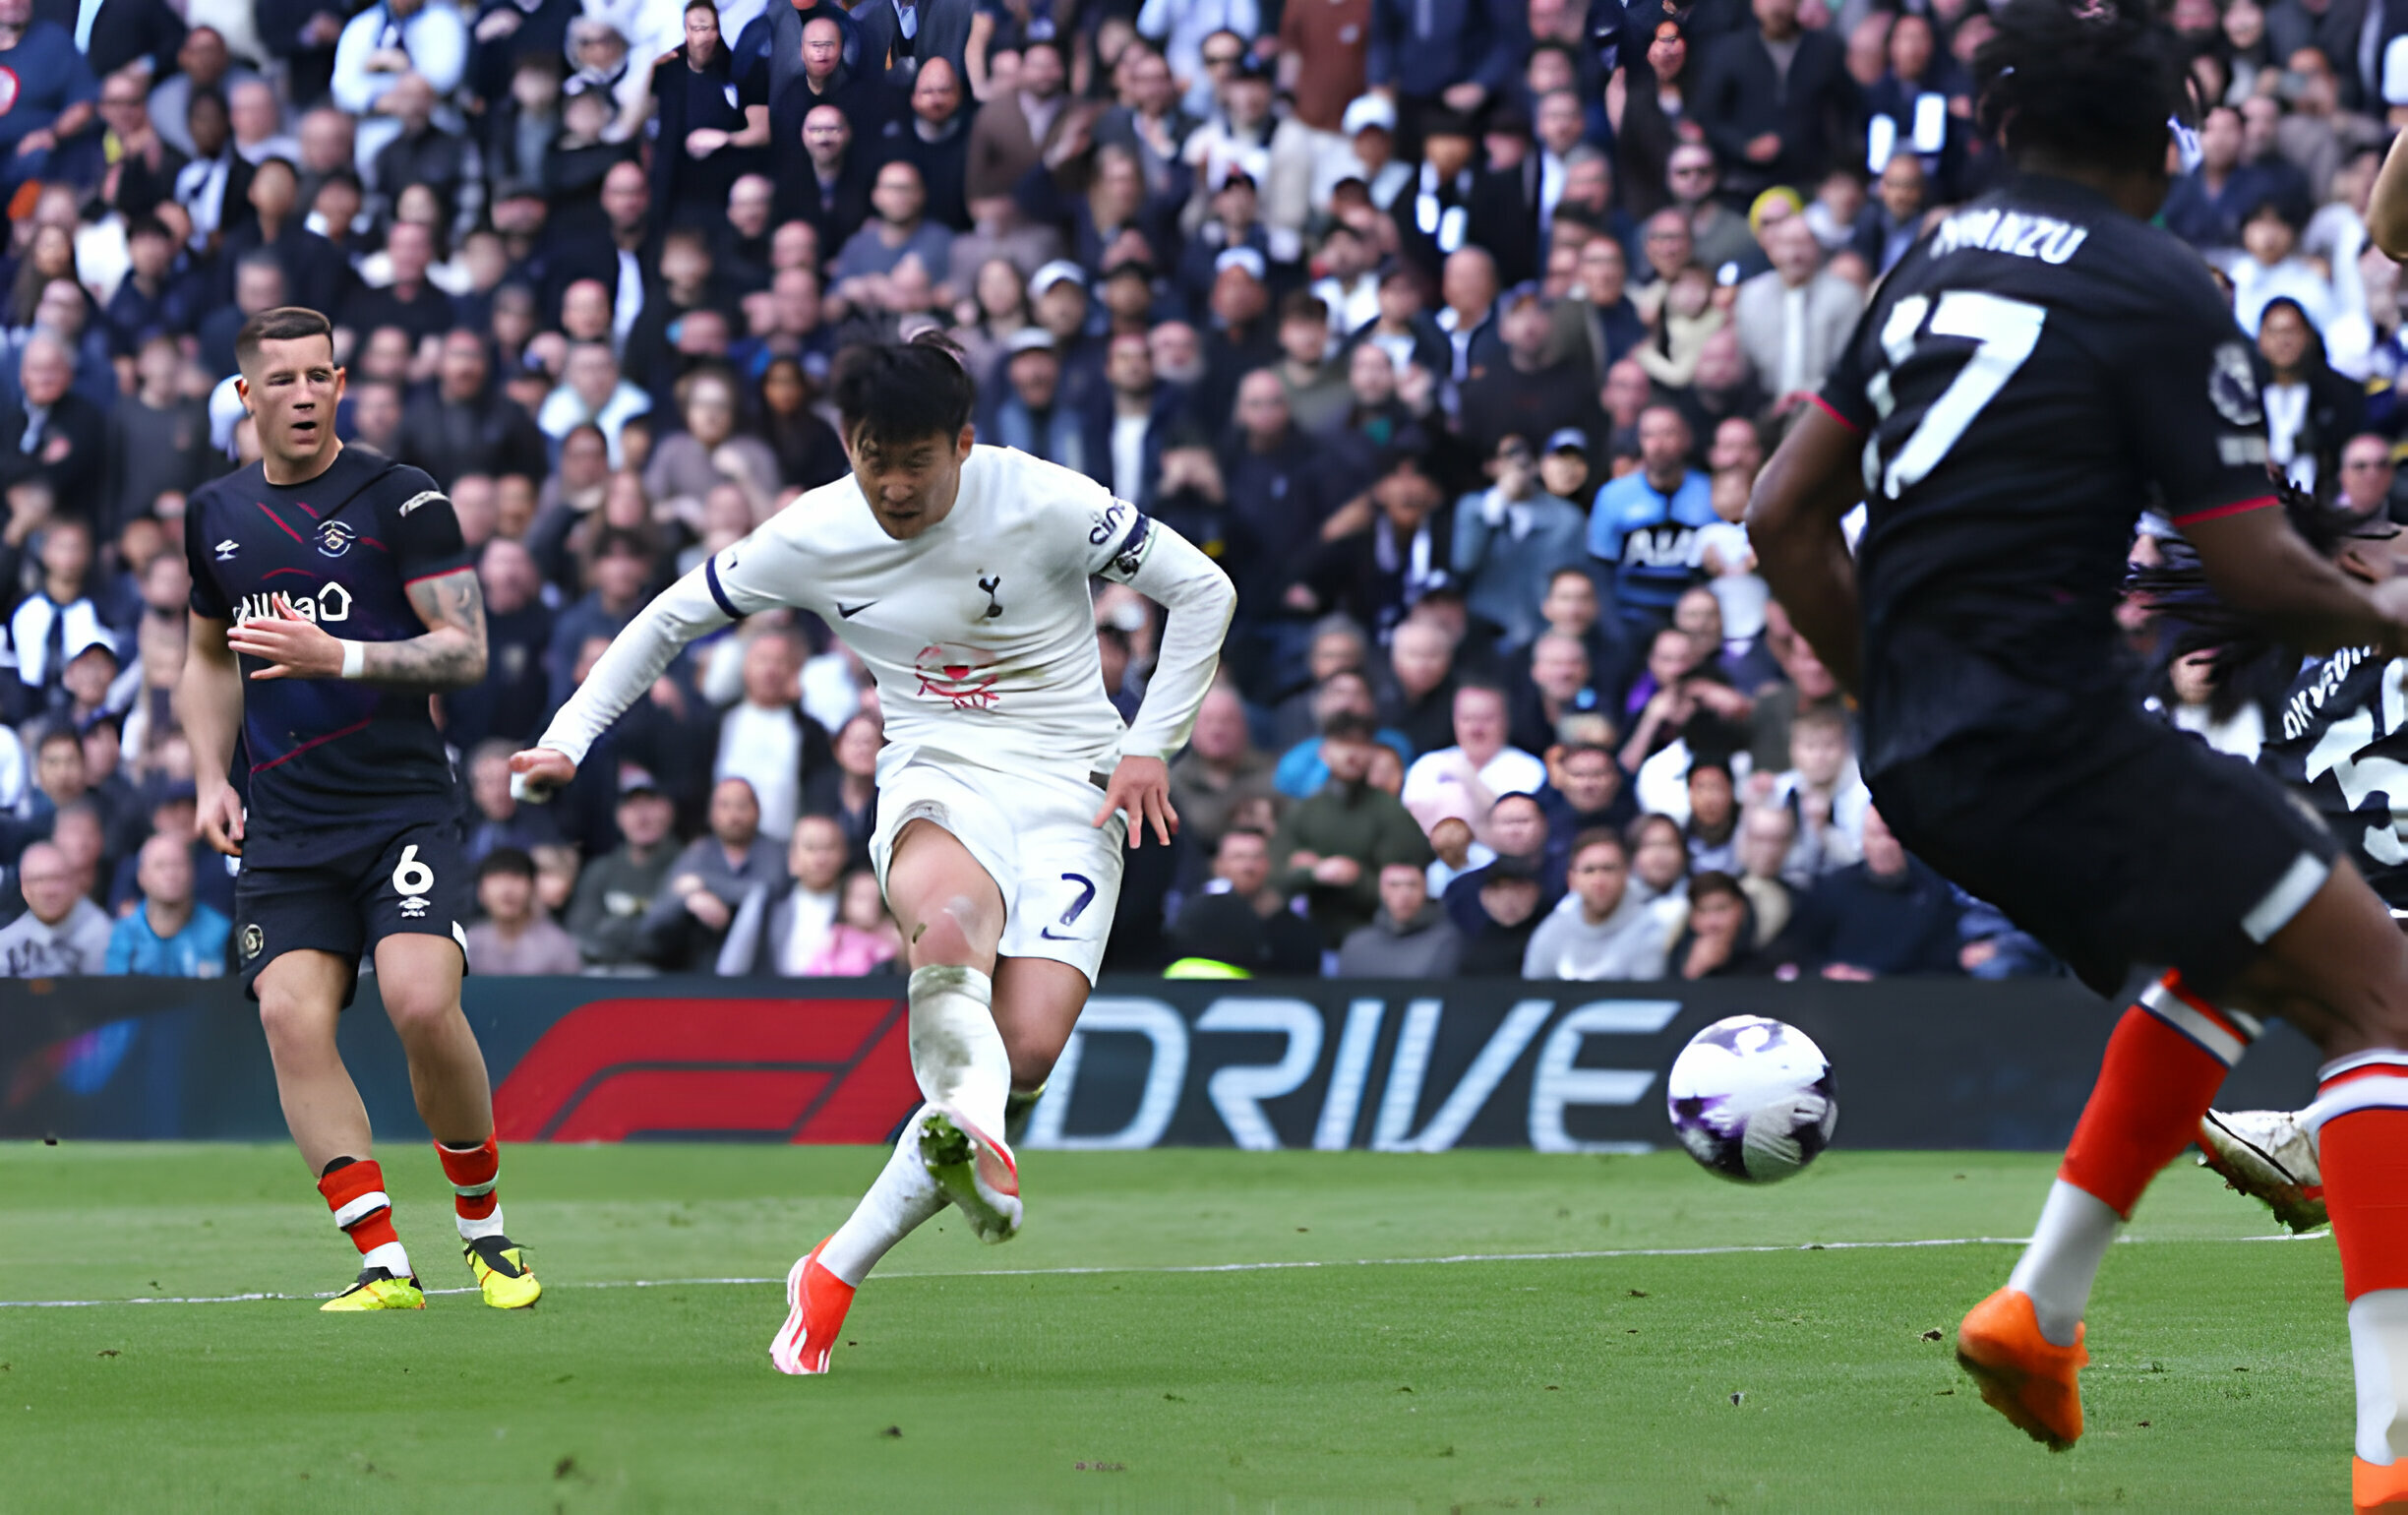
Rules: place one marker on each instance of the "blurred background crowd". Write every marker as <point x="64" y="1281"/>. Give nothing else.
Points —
<point x="1454" y="335"/>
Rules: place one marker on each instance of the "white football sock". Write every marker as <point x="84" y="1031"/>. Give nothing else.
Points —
<point x="490" y="1226"/>
<point x="2378" y="1346"/>
<point x="390" y="1257"/>
<point x="2058" y="1269"/>
<point x="956" y="1052"/>
<point x="1017" y="1110"/>
<point x="897" y="1204"/>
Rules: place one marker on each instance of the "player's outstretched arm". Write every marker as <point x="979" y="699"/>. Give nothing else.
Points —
<point x="209" y="702"/>
<point x="1170" y="571"/>
<point x="634" y="662"/>
<point x="2258" y="565"/>
<point x="450" y="655"/>
<point x="1794" y="522"/>
<point x="2388" y="208"/>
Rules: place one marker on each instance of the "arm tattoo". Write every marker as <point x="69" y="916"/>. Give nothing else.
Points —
<point x="452" y="653"/>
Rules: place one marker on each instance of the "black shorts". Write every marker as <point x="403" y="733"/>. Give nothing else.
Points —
<point x="415" y="882"/>
<point x="2118" y="842"/>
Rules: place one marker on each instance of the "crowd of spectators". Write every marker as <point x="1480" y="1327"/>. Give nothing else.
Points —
<point x="1454" y="336"/>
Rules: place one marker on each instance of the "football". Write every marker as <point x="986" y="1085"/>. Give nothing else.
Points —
<point x="1752" y="1099"/>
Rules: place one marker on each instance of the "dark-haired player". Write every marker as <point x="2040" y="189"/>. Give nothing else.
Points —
<point x="2034" y="372"/>
<point x="330" y="596"/>
<point x="2342" y="746"/>
<point x="959" y="575"/>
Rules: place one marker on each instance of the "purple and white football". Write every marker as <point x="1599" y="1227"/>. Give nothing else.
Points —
<point x="1752" y="1099"/>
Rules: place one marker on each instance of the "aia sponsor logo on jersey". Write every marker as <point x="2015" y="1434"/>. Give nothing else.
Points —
<point x="335" y="538"/>
<point x="1661" y="546"/>
<point x="963" y="676"/>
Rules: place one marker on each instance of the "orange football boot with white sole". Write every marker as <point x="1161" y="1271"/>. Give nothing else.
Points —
<point x="817" y="1301"/>
<point x="2023" y="1375"/>
<point x="2374" y="1486"/>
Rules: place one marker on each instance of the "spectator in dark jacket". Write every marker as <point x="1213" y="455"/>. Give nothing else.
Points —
<point x="1517" y="830"/>
<point x="1776" y="122"/>
<point x="53" y="432"/>
<point x="1434" y="52"/>
<point x="1262" y="935"/>
<point x="1884" y="916"/>
<point x="1505" y="911"/>
<point x="1719" y="940"/>
<point x="464" y="425"/>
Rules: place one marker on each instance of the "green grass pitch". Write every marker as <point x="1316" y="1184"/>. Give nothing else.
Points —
<point x="976" y="1378"/>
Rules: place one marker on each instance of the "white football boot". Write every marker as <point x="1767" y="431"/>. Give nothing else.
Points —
<point x="977" y="1172"/>
<point x="2267" y="1155"/>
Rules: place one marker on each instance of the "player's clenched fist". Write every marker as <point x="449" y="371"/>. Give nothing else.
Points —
<point x="539" y="773"/>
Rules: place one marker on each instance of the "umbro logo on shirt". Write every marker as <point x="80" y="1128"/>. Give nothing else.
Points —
<point x="225" y="550"/>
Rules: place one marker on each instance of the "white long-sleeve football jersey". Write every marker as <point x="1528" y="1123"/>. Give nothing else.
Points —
<point x="980" y="631"/>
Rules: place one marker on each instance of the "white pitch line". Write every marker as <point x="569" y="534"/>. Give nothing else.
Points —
<point x="1225" y="1267"/>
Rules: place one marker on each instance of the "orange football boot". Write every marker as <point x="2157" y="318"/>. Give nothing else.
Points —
<point x="817" y="1301"/>
<point x="2022" y="1374"/>
<point x="2374" y="1486"/>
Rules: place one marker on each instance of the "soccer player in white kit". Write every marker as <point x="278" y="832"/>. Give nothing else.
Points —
<point x="1009" y="785"/>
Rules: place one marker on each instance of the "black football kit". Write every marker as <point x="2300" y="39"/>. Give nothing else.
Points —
<point x="2341" y="744"/>
<point x="2038" y="370"/>
<point x="353" y="828"/>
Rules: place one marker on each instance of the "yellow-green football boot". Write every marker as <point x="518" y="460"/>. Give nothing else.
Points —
<point x="379" y="1289"/>
<point x="501" y="1272"/>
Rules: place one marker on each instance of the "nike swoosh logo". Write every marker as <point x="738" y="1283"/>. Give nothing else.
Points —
<point x="1051" y="934"/>
<point x="848" y="612"/>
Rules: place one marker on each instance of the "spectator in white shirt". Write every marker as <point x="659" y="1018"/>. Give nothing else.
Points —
<point x="2273" y="269"/>
<point x="591" y="391"/>
<point x="761" y="738"/>
<point x="379" y="45"/>
<point x="785" y="930"/>
<point x="1479" y="770"/>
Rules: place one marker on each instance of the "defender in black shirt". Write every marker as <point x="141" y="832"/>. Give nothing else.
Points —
<point x="332" y="596"/>
<point x="2035" y="372"/>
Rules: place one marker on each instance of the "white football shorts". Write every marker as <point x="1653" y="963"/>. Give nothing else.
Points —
<point x="1034" y="833"/>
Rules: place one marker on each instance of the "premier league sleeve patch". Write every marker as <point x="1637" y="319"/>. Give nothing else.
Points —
<point x="2232" y="386"/>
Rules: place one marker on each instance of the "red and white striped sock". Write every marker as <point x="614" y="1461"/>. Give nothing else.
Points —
<point x="2167" y="1059"/>
<point x="2360" y="1121"/>
<point x="474" y="1172"/>
<point x="354" y="1189"/>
